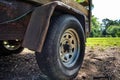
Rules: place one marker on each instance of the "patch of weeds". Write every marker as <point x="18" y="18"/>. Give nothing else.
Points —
<point x="102" y="49"/>
<point x="92" y="47"/>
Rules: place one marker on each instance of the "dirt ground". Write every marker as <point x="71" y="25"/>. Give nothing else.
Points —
<point x="99" y="64"/>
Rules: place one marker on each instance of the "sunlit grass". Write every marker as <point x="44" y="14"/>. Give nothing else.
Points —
<point x="103" y="42"/>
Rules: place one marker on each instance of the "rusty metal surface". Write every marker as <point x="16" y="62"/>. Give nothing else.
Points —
<point x="11" y="10"/>
<point x="40" y="21"/>
<point x="14" y="18"/>
<point x="71" y="3"/>
<point x="14" y="30"/>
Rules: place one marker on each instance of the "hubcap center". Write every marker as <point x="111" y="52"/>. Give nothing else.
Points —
<point x="66" y="47"/>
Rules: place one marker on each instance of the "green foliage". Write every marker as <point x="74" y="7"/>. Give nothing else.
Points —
<point x="114" y="31"/>
<point x="79" y="1"/>
<point x="107" y="22"/>
<point x="108" y="28"/>
<point x="104" y="42"/>
<point x="96" y="28"/>
<point x="111" y="28"/>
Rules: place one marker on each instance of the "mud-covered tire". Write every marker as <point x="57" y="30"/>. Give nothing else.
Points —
<point x="63" y="51"/>
<point x="7" y="49"/>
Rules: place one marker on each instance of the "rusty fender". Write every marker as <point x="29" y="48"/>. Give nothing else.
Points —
<point x="40" y="20"/>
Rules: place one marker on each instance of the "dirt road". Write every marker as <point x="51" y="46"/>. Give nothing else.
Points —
<point x="99" y="64"/>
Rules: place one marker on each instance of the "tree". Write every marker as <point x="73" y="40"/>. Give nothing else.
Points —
<point x="114" y="31"/>
<point x="106" y="22"/>
<point x="96" y="27"/>
<point x="111" y="27"/>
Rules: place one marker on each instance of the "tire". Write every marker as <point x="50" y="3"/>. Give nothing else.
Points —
<point x="63" y="51"/>
<point x="10" y="47"/>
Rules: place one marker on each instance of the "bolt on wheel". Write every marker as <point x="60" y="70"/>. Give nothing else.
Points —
<point x="69" y="48"/>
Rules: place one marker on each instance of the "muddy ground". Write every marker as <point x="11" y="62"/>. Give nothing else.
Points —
<point x="99" y="64"/>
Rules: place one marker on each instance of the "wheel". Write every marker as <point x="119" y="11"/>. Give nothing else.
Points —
<point x="10" y="47"/>
<point x="63" y="52"/>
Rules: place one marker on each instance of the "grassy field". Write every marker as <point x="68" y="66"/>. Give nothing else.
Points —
<point x="103" y="42"/>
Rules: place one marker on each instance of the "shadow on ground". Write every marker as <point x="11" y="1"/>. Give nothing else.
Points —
<point x="21" y="66"/>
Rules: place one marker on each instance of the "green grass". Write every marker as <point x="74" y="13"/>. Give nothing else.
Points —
<point x="103" y="42"/>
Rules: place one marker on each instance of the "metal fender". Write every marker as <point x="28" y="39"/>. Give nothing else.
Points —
<point x="40" y="20"/>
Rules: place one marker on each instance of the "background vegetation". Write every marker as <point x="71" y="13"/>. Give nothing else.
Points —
<point x="105" y="33"/>
<point x="108" y="28"/>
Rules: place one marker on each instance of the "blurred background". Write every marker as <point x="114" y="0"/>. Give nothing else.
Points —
<point x="105" y="23"/>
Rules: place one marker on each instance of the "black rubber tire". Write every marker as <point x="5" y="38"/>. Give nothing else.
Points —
<point x="49" y="59"/>
<point x="5" y="52"/>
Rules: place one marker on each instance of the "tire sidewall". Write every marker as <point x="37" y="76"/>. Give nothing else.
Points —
<point x="49" y="59"/>
<point x="68" y="23"/>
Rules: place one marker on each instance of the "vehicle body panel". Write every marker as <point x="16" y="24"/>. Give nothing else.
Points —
<point x="29" y="20"/>
<point x="14" y="18"/>
<point x="71" y="3"/>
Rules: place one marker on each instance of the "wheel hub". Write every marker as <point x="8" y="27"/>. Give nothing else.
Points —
<point x="69" y="47"/>
<point x="66" y="47"/>
<point x="11" y="45"/>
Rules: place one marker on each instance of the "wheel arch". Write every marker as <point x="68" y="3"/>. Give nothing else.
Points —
<point x="80" y="17"/>
<point x="38" y="26"/>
